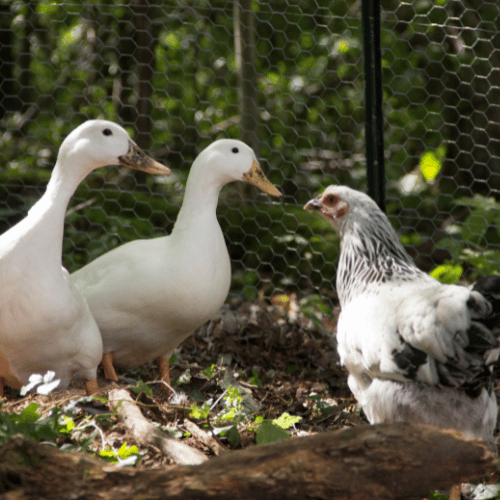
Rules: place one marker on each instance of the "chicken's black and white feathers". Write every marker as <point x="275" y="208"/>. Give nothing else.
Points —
<point x="411" y="344"/>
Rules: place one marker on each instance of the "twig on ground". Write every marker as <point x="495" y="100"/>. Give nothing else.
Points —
<point x="145" y="433"/>
<point x="203" y="436"/>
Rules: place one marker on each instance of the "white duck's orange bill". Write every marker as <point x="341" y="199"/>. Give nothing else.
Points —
<point x="137" y="159"/>
<point x="257" y="177"/>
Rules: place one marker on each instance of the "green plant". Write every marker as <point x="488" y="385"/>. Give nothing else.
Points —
<point x="269" y="431"/>
<point x="233" y="410"/>
<point x="210" y="372"/>
<point x="321" y="408"/>
<point x="317" y="309"/>
<point x="63" y="424"/>
<point x="255" y="379"/>
<point x="437" y="496"/>
<point x="30" y="424"/>
<point x="470" y="243"/>
<point x="200" y="413"/>
<point x="141" y="388"/>
<point x="237" y="407"/>
<point x="125" y="455"/>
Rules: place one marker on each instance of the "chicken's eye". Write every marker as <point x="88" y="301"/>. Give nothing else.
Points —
<point x="331" y="200"/>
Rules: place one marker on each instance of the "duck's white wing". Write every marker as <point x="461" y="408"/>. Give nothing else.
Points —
<point x="120" y="285"/>
<point x="142" y="298"/>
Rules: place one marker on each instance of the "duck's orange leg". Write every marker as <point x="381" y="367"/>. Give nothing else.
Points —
<point x="456" y="492"/>
<point x="109" y="369"/>
<point x="91" y="387"/>
<point x="164" y="366"/>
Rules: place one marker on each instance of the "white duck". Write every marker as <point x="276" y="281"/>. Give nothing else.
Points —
<point x="45" y="324"/>
<point x="147" y="296"/>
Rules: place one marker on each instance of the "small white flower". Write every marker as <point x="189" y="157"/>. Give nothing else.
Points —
<point x="48" y="384"/>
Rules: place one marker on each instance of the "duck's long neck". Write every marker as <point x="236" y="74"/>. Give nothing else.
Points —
<point x="199" y="205"/>
<point x="44" y="224"/>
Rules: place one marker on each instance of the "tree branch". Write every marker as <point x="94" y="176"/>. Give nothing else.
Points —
<point x="145" y="433"/>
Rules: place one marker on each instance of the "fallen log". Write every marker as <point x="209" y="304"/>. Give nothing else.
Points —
<point x="387" y="461"/>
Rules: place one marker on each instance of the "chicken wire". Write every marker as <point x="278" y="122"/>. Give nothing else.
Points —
<point x="287" y="78"/>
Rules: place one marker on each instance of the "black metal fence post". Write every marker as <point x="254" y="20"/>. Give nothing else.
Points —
<point x="374" y="125"/>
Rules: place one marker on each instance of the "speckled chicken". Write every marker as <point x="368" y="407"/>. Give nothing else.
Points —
<point x="416" y="350"/>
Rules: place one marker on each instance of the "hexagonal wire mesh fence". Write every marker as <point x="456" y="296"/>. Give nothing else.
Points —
<point x="287" y="78"/>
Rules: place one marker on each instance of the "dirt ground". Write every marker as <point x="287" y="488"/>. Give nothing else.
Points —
<point x="284" y="361"/>
<point x="281" y="355"/>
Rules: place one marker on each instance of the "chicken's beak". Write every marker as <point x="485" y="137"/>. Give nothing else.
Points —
<point x="136" y="158"/>
<point x="256" y="177"/>
<point x="314" y="204"/>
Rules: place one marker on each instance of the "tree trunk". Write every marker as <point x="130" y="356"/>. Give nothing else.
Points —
<point x="25" y="57"/>
<point x="244" y="40"/>
<point x="122" y="88"/>
<point x="244" y="47"/>
<point x="145" y="56"/>
<point x="7" y="103"/>
<point x="387" y="461"/>
<point x="145" y="71"/>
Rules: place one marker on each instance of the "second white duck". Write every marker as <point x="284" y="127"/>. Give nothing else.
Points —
<point x="147" y="296"/>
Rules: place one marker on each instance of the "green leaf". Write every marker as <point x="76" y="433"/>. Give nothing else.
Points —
<point x="285" y="420"/>
<point x="430" y="164"/>
<point x="437" y="496"/>
<point x="475" y="227"/>
<point x="250" y="278"/>
<point x="447" y="273"/>
<point x="209" y="372"/>
<point x="126" y="451"/>
<point x="197" y="395"/>
<point x="233" y="436"/>
<point x="479" y="202"/>
<point x="453" y="245"/>
<point x="485" y="261"/>
<point x="142" y="387"/>
<point x="255" y="380"/>
<point x="67" y="426"/>
<point x="268" y="432"/>
<point x="199" y="413"/>
<point x="28" y="415"/>
<point x="410" y="239"/>
<point x="343" y="46"/>
<point x="109" y="455"/>
<point x="104" y="419"/>
<point x="171" y="40"/>
<point x="71" y="36"/>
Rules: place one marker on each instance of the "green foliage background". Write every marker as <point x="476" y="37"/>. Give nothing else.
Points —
<point x="71" y="61"/>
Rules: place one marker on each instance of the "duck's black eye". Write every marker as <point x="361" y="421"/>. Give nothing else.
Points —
<point x="235" y="150"/>
<point x="106" y="132"/>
